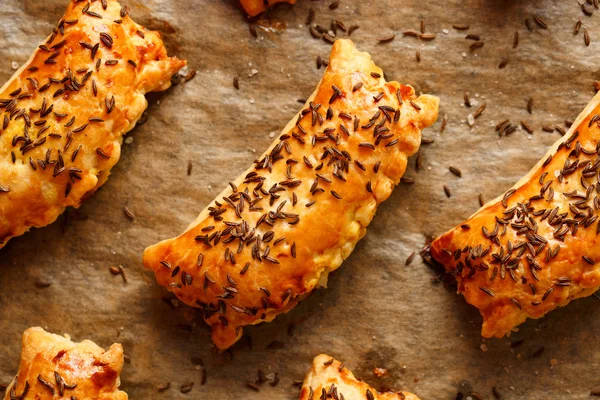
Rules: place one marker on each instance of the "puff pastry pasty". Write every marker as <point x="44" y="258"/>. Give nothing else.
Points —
<point x="328" y="378"/>
<point x="536" y="247"/>
<point x="278" y="230"/>
<point x="255" y="7"/>
<point x="54" y="367"/>
<point x="62" y="115"/>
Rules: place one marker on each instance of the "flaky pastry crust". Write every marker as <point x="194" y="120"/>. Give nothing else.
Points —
<point x="53" y="367"/>
<point x="328" y="378"/>
<point x="255" y="7"/>
<point x="64" y="112"/>
<point x="275" y="234"/>
<point x="536" y="247"/>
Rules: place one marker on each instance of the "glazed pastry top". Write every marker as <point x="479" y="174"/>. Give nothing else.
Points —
<point x="536" y="247"/>
<point x="277" y="231"/>
<point x="62" y="115"/>
<point x="53" y="366"/>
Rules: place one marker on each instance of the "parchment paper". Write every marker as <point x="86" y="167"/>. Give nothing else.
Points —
<point x="377" y="312"/>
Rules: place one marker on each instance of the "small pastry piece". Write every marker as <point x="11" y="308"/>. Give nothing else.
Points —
<point x="54" y="367"/>
<point x="63" y="114"/>
<point x="278" y="230"/>
<point x="328" y="378"/>
<point x="536" y="247"/>
<point x="255" y="7"/>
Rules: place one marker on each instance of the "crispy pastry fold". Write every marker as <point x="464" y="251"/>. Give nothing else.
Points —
<point x="53" y="367"/>
<point x="63" y="114"/>
<point x="277" y="231"/>
<point x="536" y="247"/>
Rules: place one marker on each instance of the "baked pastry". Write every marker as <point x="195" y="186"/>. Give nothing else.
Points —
<point x="277" y="231"/>
<point x="535" y="247"/>
<point x="328" y="378"/>
<point x="53" y="366"/>
<point x="62" y="115"/>
<point x="255" y="7"/>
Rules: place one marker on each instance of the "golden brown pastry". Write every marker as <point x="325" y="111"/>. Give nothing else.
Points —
<point x="277" y="231"/>
<point x="53" y="367"/>
<point x="255" y="7"/>
<point x="536" y="247"/>
<point x="328" y="378"/>
<point x="62" y="115"/>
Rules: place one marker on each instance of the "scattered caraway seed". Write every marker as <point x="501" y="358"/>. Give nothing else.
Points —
<point x="386" y="39"/>
<point x="310" y="17"/>
<point x="516" y="40"/>
<point x="418" y="56"/>
<point x="577" y="27"/>
<point x="252" y="30"/>
<point x="186" y="387"/>
<point x="467" y="100"/>
<point x="203" y="376"/>
<point x="419" y="161"/>
<point x="586" y="37"/>
<point x="447" y="191"/>
<point x="275" y="345"/>
<point x="328" y="38"/>
<point x="455" y="171"/>
<point x="189" y="167"/>
<point x="334" y="5"/>
<point x="540" y="21"/>
<point x="530" y="105"/>
<point x="128" y="213"/>
<point x="427" y="36"/>
<point x="42" y="284"/>
<point x="595" y="393"/>
<point x="253" y="386"/>
<point x="410" y="258"/>
<point x="444" y="123"/>
<point x="190" y="75"/>
<point x="163" y="386"/>
<point x="479" y="111"/>
<point x="538" y="352"/>
<point x="527" y="127"/>
<point x="503" y="63"/>
<point x="236" y="82"/>
<point x="476" y="45"/>
<point x="119" y="270"/>
<point x="481" y="200"/>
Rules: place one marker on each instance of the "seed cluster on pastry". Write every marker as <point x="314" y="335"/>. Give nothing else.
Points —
<point x="535" y="247"/>
<point x="281" y="227"/>
<point x="62" y="115"/>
